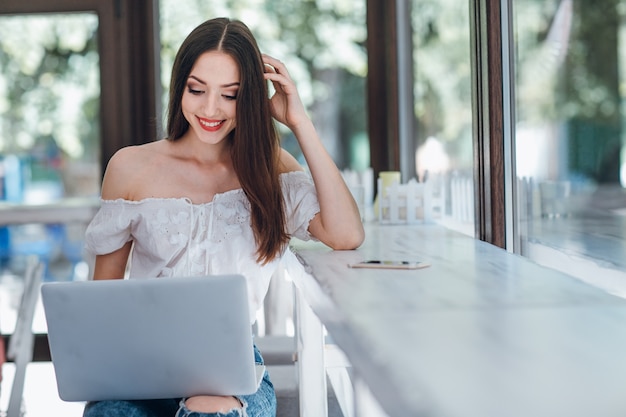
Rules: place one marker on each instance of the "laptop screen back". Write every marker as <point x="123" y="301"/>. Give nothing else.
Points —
<point x="150" y="338"/>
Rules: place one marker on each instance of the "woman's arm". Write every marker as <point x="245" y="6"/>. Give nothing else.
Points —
<point x="112" y="265"/>
<point x="338" y="224"/>
<point x="114" y="186"/>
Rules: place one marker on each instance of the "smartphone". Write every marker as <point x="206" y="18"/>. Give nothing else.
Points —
<point x="382" y="264"/>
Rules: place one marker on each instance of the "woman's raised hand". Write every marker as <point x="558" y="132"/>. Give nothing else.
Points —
<point x="338" y="224"/>
<point x="286" y="104"/>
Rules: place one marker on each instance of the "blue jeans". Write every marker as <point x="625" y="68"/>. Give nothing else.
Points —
<point x="260" y="404"/>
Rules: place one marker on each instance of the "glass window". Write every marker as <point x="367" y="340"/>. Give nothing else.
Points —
<point x="443" y="108"/>
<point x="49" y="107"/>
<point x="322" y="44"/>
<point x="570" y="85"/>
<point x="49" y="136"/>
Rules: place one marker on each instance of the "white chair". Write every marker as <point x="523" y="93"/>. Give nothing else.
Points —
<point x="20" y="349"/>
<point x="295" y="395"/>
<point x="318" y="361"/>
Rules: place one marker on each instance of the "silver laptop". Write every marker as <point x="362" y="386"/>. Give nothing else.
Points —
<point x="151" y="338"/>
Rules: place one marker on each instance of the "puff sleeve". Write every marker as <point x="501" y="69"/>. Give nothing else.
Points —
<point x="110" y="228"/>
<point x="301" y="203"/>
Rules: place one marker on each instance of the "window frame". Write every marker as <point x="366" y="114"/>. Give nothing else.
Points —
<point x="489" y="124"/>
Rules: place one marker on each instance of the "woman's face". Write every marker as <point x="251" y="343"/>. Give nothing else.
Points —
<point x="209" y="99"/>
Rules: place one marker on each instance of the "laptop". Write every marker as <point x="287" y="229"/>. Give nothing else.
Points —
<point x="151" y="338"/>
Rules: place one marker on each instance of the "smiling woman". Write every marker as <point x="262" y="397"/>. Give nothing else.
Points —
<point x="223" y="197"/>
<point x="211" y="103"/>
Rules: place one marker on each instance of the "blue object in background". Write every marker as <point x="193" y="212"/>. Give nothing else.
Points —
<point x="13" y="178"/>
<point x="5" y="247"/>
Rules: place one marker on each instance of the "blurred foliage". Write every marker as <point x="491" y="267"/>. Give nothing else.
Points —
<point x="566" y="56"/>
<point x="569" y="86"/>
<point x="567" y="76"/>
<point x="442" y="76"/>
<point x="49" y="84"/>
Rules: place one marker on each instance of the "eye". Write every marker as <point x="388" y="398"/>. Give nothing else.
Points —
<point x="193" y="91"/>
<point x="229" y="97"/>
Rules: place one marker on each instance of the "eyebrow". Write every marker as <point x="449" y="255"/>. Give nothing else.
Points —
<point x="233" y="84"/>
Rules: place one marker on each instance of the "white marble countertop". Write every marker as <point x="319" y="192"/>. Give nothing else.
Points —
<point x="481" y="332"/>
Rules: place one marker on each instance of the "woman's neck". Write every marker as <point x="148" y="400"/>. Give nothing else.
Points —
<point x="191" y="148"/>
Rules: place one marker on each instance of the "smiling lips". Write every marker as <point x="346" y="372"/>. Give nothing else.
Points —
<point x="210" y="125"/>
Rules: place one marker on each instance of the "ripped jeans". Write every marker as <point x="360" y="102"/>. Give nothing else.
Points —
<point x="260" y="404"/>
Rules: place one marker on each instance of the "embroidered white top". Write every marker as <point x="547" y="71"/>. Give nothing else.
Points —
<point x="174" y="237"/>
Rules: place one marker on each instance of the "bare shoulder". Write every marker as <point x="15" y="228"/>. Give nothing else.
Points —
<point x="126" y="168"/>
<point x="288" y="163"/>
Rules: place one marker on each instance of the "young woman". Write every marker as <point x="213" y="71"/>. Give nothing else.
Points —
<point x="219" y="195"/>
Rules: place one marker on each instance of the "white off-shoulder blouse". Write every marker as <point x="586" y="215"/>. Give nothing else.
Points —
<point x="175" y="237"/>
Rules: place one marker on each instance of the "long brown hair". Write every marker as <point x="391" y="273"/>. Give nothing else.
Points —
<point x="255" y="144"/>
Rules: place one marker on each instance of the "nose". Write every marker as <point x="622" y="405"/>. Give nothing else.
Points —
<point x="211" y="105"/>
